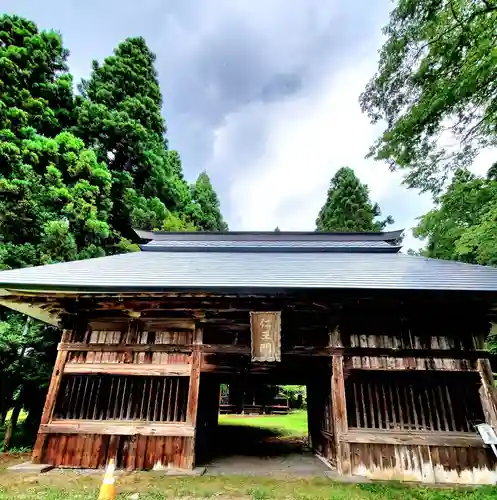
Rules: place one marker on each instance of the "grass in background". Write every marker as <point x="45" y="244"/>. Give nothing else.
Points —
<point x="292" y="425"/>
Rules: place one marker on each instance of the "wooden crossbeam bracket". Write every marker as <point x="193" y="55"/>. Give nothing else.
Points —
<point x="41" y="311"/>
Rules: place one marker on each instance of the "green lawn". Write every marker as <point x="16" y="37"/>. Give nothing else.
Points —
<point x="71" y="485"/>
<point x="151" y="487"/>
<point x="292" y="425"/>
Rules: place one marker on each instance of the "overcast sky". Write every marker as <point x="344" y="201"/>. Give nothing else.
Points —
<point x="263" y="95"/>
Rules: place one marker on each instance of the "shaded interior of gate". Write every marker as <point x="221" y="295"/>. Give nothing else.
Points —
<point x="395" y="388"/>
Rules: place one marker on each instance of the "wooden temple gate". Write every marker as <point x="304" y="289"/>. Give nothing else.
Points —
<point x="394" y="391"/>
<point x="390" y="346"/>
<point x="126" y="390"/>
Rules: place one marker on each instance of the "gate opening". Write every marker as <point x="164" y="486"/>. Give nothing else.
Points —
<point x="259" y="427"/>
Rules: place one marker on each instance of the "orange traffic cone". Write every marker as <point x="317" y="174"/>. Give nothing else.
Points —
<point x="108" y="488"/>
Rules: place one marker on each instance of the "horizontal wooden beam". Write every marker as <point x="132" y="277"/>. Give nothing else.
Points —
<point x="416" y="438"/>
<point x="83" y="347"/>
<point x="412" y="369"/>
<point x="389" y="352"/>
<point x="119" y="428"/>
<point x="111" y="323"/>
<point x="141" y="369"/>
<point x="207" y="348"/>
<point x="297" y="351"/>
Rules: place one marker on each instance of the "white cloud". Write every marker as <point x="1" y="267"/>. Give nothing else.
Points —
<point x="309" y="138"/>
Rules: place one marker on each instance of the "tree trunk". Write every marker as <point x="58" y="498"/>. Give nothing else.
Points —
<point x="8" y="436"/>
<point x="14" y="418"/>
<point x="11" y="427"/>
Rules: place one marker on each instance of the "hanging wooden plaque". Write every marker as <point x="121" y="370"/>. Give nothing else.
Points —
<point x="266" y="336"/>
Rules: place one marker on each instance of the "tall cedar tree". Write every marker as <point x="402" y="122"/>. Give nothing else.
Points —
<point x="55" y="196"/>
<point x="206" y="212"/>
<point x="348" y="207"/>
<point x="119" y="115"/>
<point x="436" y="78"/>
<point x="75" y="175"/>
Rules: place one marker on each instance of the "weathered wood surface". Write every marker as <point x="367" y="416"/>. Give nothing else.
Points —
<point x="389" y="337"/>
<point x="143" y="369"/>
<point x="339" y="415"/>
<point x="265" y="330"/>
<point x="110" y="427"/>
<point x="82" y="347"/>
<point x="193" y="392"/>
<point x="130" y="452"/>
<point x="438" y="401"/>
<point x="488" y="392"/>
<point x="101" y="323"/>
<point x="127" y="398"/>
<point x="193" y="397"/>
<point x="50" y="401"/>
<point x="427" y="464"/>
<point x="427" y="438"/>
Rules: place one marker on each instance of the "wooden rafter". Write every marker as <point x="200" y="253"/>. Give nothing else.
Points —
<point x="46" y="312"/>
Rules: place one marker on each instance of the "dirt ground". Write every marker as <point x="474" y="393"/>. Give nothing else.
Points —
<point x="252" y="451"/>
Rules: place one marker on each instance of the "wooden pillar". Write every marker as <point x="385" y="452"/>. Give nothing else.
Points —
<point x="193" y="394"/>
<point x="52" y="393"/>
<point x="488" y="392"/>
<point x="339" y="415"/>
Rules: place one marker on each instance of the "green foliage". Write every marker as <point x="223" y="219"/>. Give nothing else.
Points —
<point x="295" y="394"/>
<point x="206" y="212"/>
<point x="35" y="88"/>
<point x="462" y="225"/>
<point x="348" y="207"/>
<point x="436" y="76"/>
<point x="177" y="222"/>
<point x="55" y="194"/>
<point x="27" y="353"/>
<point x="120" y="116"/>
<point x="76" y="175"/>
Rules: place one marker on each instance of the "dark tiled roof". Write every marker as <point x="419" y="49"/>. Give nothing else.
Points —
<point x="223" y="271"/>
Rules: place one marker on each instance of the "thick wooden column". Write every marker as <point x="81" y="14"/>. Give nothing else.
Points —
<point x="193" y="394"/>
<point x="52" y="393"/>
<point x="339" y="413"/>
<point x="488" y="392"/>
<point x="339" y="406"/>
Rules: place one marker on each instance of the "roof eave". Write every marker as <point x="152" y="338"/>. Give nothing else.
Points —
<point x="186" y="249"/>
<point x="388" y="236"/>
<point x="74" y="290"/>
